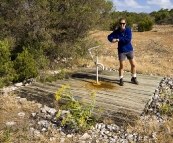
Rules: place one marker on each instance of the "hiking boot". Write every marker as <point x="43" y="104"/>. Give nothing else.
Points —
<point x="121" y="82"/>
<point x="134" y="80"/>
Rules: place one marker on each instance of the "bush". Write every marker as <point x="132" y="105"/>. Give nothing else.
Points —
<point x="145" y="25"/>
<point x="79" y="114"/>
<point x="42" y="61"/>
<point x="114" y="25"/>
<point x="25" y="66"/>
<point x="6" y="70"/>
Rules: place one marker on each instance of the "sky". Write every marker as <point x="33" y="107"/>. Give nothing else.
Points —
<point x="139" y="6"/>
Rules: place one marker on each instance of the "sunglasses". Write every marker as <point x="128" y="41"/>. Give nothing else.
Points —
<point x="122" y="23"/>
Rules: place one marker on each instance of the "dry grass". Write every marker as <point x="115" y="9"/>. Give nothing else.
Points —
<point x="20" y="131"/>
<point x="153" y="50"/>
<point x="162" y="132"/>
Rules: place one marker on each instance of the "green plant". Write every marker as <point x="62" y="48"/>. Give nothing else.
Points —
<point x="80" y="115"/>
<point x="7" y="136"/>
<point x="6" y="70"/>
<point x="166" y="109"/>
<point x="25" y="66"/>
<point x="145" y="25"/>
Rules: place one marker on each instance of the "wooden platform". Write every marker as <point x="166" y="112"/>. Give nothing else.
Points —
<point x="120" y="103"/>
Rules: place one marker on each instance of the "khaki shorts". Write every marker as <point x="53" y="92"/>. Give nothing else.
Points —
<point x="122" y="56"/>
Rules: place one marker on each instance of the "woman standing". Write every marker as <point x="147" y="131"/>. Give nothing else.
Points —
<point x="123" y="36"/>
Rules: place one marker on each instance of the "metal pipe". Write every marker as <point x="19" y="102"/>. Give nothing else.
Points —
<point x="97" y="69"/>
<point x="96" y="62"/>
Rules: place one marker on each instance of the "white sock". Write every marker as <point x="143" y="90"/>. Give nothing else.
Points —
<point x="133" y="75"/>
<point x="121" y="77"/>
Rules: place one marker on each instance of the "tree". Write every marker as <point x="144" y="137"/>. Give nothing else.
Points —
<point x="161" y="16"/>
<point x="25" y="66"/>
<point x="52" y="26"/>
<point x="6" y="68"/>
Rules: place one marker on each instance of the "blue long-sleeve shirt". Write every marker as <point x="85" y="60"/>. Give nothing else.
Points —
<point x="125" y="36"/>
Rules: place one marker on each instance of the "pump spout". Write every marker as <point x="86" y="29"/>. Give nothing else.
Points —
<point x="102" y="66"/>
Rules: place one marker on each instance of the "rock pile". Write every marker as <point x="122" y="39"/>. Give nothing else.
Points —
<point x="160" y="97"/>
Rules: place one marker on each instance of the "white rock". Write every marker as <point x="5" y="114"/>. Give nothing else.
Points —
<point x="47" y="116"/>
<point x="21" y="114"/>
<point x="69" y="136"/>
<point x="43" y="110"/>
<point x="98" y="126"/>
<point x="31" y="129"/>
<point x="102" y="132"/>
<point x="62" y="140"/>
<point x="44" y="129"/>
<point x="56" y="72"/>
<point x="103" y="126"/>
<point x="105" y="136"/>
<point x="154" y="135"/>
<point x="33" y="114"/>
<point x="10" y="123"/>
<point x="46" y="108"/>
<point x="43" y="123"/>
<point x="22" y="99"/>
<point x="107" y="132"/>
<point x="39" y="105"/>
<point x="37" y="133"/>
<point x="130" y="137"/>
<point x="26" y="84"/>
<point x="64" y="112"/>
<point x="62" y="133"/>
<point x="18" y="97"/>
<point x="18" y="84"/>
<point x="52" y="139"/>
<point x="52" y="111"/>
<point x="13" y="88"/>
<point x="82" y="141"/>
<point x="85" y="137"/>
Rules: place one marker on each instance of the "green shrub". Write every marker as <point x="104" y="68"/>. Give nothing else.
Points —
<point x="42" y="61"/>
<point x="145" y="25"/>
<point x="166" y="108"/>
<point x="80" y="115"/>
<point x="25" y="66"/>
<point x="6" y="70"/>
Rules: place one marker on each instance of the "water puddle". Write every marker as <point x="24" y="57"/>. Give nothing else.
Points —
<point x="101" y="85"/>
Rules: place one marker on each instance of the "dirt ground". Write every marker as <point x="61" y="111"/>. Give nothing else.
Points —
<point x="153" y="50"/>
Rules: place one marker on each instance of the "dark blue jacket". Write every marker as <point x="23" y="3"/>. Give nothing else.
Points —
<point x="125" y="36"/>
